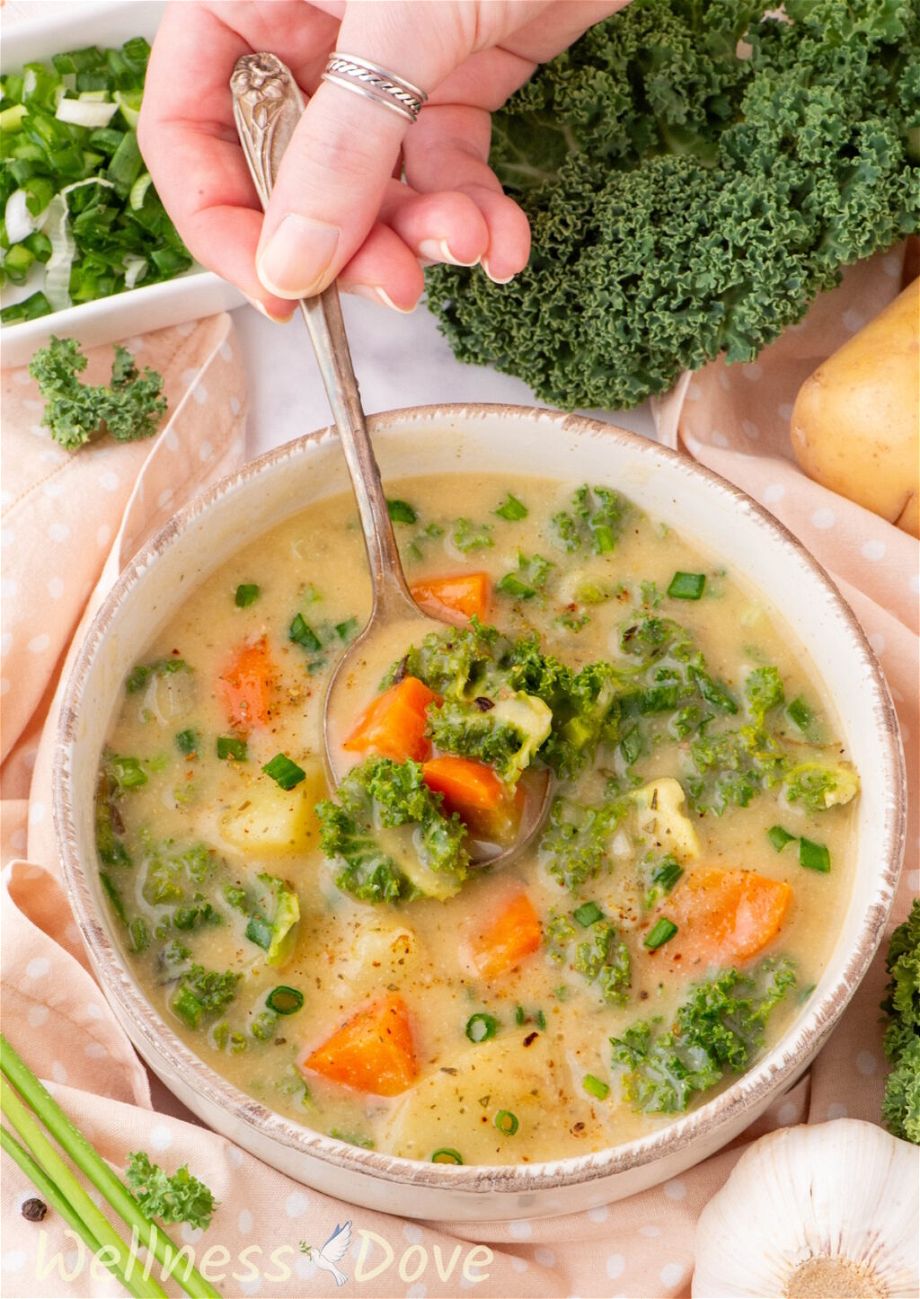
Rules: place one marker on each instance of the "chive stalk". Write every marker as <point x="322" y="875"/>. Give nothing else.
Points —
<point x="447" y="1155"/>
<point x="58" y="1202"/>
<point x="661" y="932"/>
<point x="73" y="1142"/>
<point x="57" y="1170"/>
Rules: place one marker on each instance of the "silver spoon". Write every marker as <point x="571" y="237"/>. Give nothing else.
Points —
<point x="267" y="105"/>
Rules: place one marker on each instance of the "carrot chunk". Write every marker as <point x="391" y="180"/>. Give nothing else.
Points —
<point x="373" y="1050"/>
<point x="726" y="915"/>
<point x="467" y="594"/>
<point x="393" y="724"/>
<point x="471" y="789"/>
<point x="505" y="939"/>
<point x="247" y="686"/>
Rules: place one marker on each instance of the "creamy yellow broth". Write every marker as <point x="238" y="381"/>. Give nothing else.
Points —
<point x="349" y="952"/>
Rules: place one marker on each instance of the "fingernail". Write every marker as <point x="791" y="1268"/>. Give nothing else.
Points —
<point x="264" y="311"/>
<point x="497" y="279"/>
<point x="438" y="250"/>
<point x="294" y="261"/>
<point x="380" y="296"/>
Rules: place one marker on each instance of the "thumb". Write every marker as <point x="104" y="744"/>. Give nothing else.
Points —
<point x="332" y="179"/>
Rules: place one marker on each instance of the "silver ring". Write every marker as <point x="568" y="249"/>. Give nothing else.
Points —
<point x="375" y="83"/>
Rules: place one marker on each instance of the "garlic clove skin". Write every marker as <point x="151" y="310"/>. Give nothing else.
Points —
<point x="821" y="1211"/>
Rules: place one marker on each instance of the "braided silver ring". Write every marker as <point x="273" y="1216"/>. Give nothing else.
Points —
<point x="375" y="83"/>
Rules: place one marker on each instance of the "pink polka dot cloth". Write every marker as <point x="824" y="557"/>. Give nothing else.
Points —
<point x="734" y="419"/>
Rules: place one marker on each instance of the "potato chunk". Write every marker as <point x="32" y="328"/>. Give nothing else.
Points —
<point x="660" y="816"/>
<point x="269" y="821"/>
<point x="456" y="1107"/>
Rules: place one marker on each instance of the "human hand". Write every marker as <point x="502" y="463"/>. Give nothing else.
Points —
<point x="338" y="209"/>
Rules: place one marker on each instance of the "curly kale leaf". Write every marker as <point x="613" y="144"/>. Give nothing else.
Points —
<point x="575" y="846"/>
<point x="717" y="1030"/>
<point x="202" y="994"/>
<point x="901" y="1105"/>
<point x="593" y="522"/>
<point x="729" y="768"/>
<point x="478" y="667"/>
<point x="688" y="198"/>
<point x="170" y="872"/>
<point x="506" y="734"/>
<point x="387" y="837"/>
<point x="455" y="662"/>
<point x="601" y="957"/>
<point x="763" y="689"/>
<point x="128" y="407"/>
<point x="819" y="785"/>
<point x="179" y="1198"/>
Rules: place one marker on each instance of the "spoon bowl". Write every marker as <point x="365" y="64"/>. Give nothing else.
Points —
<point x="267" y="105"/>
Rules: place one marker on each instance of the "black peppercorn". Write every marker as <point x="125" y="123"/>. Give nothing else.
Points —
<point x="34" y="1210"/>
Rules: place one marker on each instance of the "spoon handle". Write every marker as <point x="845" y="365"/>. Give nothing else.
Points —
<point x="267" y="105"/>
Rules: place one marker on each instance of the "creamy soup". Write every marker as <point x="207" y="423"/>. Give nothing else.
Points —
<point x="349" y="957"/>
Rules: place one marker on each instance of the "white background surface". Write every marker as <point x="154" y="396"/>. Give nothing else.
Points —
<point x="399" y="360"/>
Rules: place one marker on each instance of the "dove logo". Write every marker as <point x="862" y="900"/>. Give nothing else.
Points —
<point x="335" y="1249"/>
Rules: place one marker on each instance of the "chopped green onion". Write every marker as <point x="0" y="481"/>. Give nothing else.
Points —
<point x="246" y="594"/>
<point x="230" y="746"/>
<point x="595" y="1087"/>
<point x="284" y="1000"/>
<point x="401" y="512"/>
<point x="481" y="1027"/>
<point x="592" y="593"/>
<point x="800" y="713"/>
<point x="506" y="1122"/>
<point x="520" y="1015"/>
<point x="512" y="509"/>
<point x="814" y="856"/>
<point x="587" y="914"/>
<point x="129" y="102"/>
<point x="345" y="630"/>
<point x="687" y="586"/>
<point x="301" y="633"/>
<point x="447" y="1155"/>
<point x="779" y="837"/>
<point x="667" y="875"/>
<point x="35" y="305"/>
<point x="127" y="773"/>
<point x="661" y="932"/>
<point x="284" y="772"/>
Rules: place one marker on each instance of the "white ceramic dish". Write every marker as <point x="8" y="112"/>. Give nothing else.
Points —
<point x="499" y="439"/>
<point x="190" y="296"/>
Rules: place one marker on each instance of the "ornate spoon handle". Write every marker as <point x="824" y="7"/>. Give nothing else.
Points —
<point x="267" y="105"/>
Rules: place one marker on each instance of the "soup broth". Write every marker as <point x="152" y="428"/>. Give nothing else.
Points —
<point x="684" y="893"/>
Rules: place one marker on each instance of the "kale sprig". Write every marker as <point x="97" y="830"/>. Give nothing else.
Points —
<point x="128" y="407"/>
<point x="716" y="1031"/>
<point x="388" y="839"/>
<point x="901" y="1105"/>
<point x="177" y="1198"/>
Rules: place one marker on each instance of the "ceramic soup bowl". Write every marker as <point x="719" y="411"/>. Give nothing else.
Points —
<point x="505" y="440"/>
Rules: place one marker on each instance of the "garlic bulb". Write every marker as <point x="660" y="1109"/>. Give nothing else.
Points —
<point x="824" y="1211"/>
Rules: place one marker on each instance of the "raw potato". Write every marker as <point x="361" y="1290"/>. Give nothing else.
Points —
<point x="855" y="422"/>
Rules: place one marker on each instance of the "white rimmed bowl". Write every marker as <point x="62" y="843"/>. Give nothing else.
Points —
<point x="507" y="440"/>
